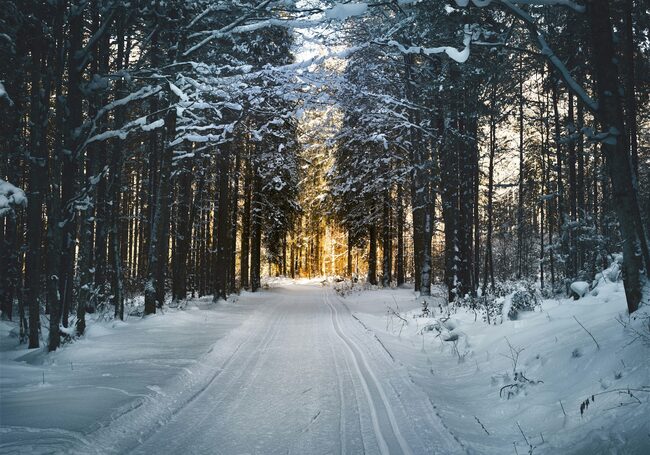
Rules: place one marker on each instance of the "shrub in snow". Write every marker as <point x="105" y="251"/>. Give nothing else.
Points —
<point x="506" y="301"/>
<point x="488" y="305"/>
<point x="492" y="307"/>
<point x="425" y="309"/>
<point x="449" y="336"/>
<point x="613" y="273"/>
<point x="579" y="289"/>
<point x="519" y="386"/>
<point x="524" y="299"/>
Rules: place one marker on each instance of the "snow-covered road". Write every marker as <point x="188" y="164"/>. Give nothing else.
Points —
<point x="298" y="369"/>
<point x="301" y="376"/>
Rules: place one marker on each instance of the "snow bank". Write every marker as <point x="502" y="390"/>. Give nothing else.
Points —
<point x="52" y="402"/>
<point x="533" y="375"/>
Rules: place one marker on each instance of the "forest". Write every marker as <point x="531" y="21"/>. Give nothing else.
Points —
<point x="155" y="152"/>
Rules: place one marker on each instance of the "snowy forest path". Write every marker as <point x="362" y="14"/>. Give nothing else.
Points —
<point x="300" y="376"/>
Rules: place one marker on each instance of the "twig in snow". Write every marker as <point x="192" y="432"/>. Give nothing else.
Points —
<point x="482" y="426"/>
<point x="392" y="311"/>
<point x="375" y="335"/>
<point x="522" y="433"/>
<point x="514" y="355"/>
<point x="592" y="337"/>
<point x="562" y="406"/>
<point x="395" y="313"/>
<point x="385" y="349"/>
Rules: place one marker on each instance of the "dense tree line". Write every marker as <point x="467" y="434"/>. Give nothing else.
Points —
<point x="159" y="149"/>
<point x="525" y="157"/>
<point x="149" y="142"/>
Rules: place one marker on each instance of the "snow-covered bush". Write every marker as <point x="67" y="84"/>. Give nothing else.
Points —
<point x="612" y="273"/>
<point x="507" y="300"/>
<point x="526" y="298"/>
<point x="579" y="289"/>
<point x="490" y="307"/>
<point x="347" y="287"/>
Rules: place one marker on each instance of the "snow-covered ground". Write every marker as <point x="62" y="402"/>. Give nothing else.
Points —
<point x="51" y="401"/>
<point x="470" y="378"/>
<point x="300" y="369"/>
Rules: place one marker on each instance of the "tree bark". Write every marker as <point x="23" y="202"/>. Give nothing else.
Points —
<point x="223" y="225"/>
<point x="154" y="291"/>
<point x="401" y="275"/>
<point x="246" y="227"/>
<point x="256" y="233"/>
<point x="614" y="148"/>
<point x="372" y="254"/>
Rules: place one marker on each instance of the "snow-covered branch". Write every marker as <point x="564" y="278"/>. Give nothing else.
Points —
<point x="546" y="50"/>
<point x="10" y="197"/>
<point x="459" y="56"/>
<point x="566" y="3"/>
<point x="5" y="95"/>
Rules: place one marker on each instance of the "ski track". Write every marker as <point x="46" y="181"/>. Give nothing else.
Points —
<point x="299" y="376"/>
<point x="368" y="381"/>
<point x="420" y="412"/>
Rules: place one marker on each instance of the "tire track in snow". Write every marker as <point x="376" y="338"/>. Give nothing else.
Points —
<point x="244" y="389"/>
<point x="137" y="424"/>
<point x="369" y="381"/>
<point x="50" y="440"/>
<point x="225" y="390"/>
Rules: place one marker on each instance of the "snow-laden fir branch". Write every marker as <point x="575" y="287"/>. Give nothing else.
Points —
<point x="143" y="93"/>
<point x="546" y="50"/>
<point x="138" y="124"/>
<point x="567" y="3"/>
<point x="459" y="56"/>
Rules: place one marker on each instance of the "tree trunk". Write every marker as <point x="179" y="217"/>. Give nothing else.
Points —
<point x="186" y="217"/>
<point x="401" y="275"/>
<point x="246" y="227"/>
<point x="559" y="173"/>
<point x="223" y="225"/>
<point x="489" y="262"/>
<point x="37" y="189"/>
<point x="387" y="246"/>
<point x="155" y="285"/>
<point x="614" y="148"/>
<point x="256" y="233"/>
<point x="372" y="255"/>
<point x="349" y="256"/>
<point x="520" y="191"/>
<point x="234" y="208"/>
